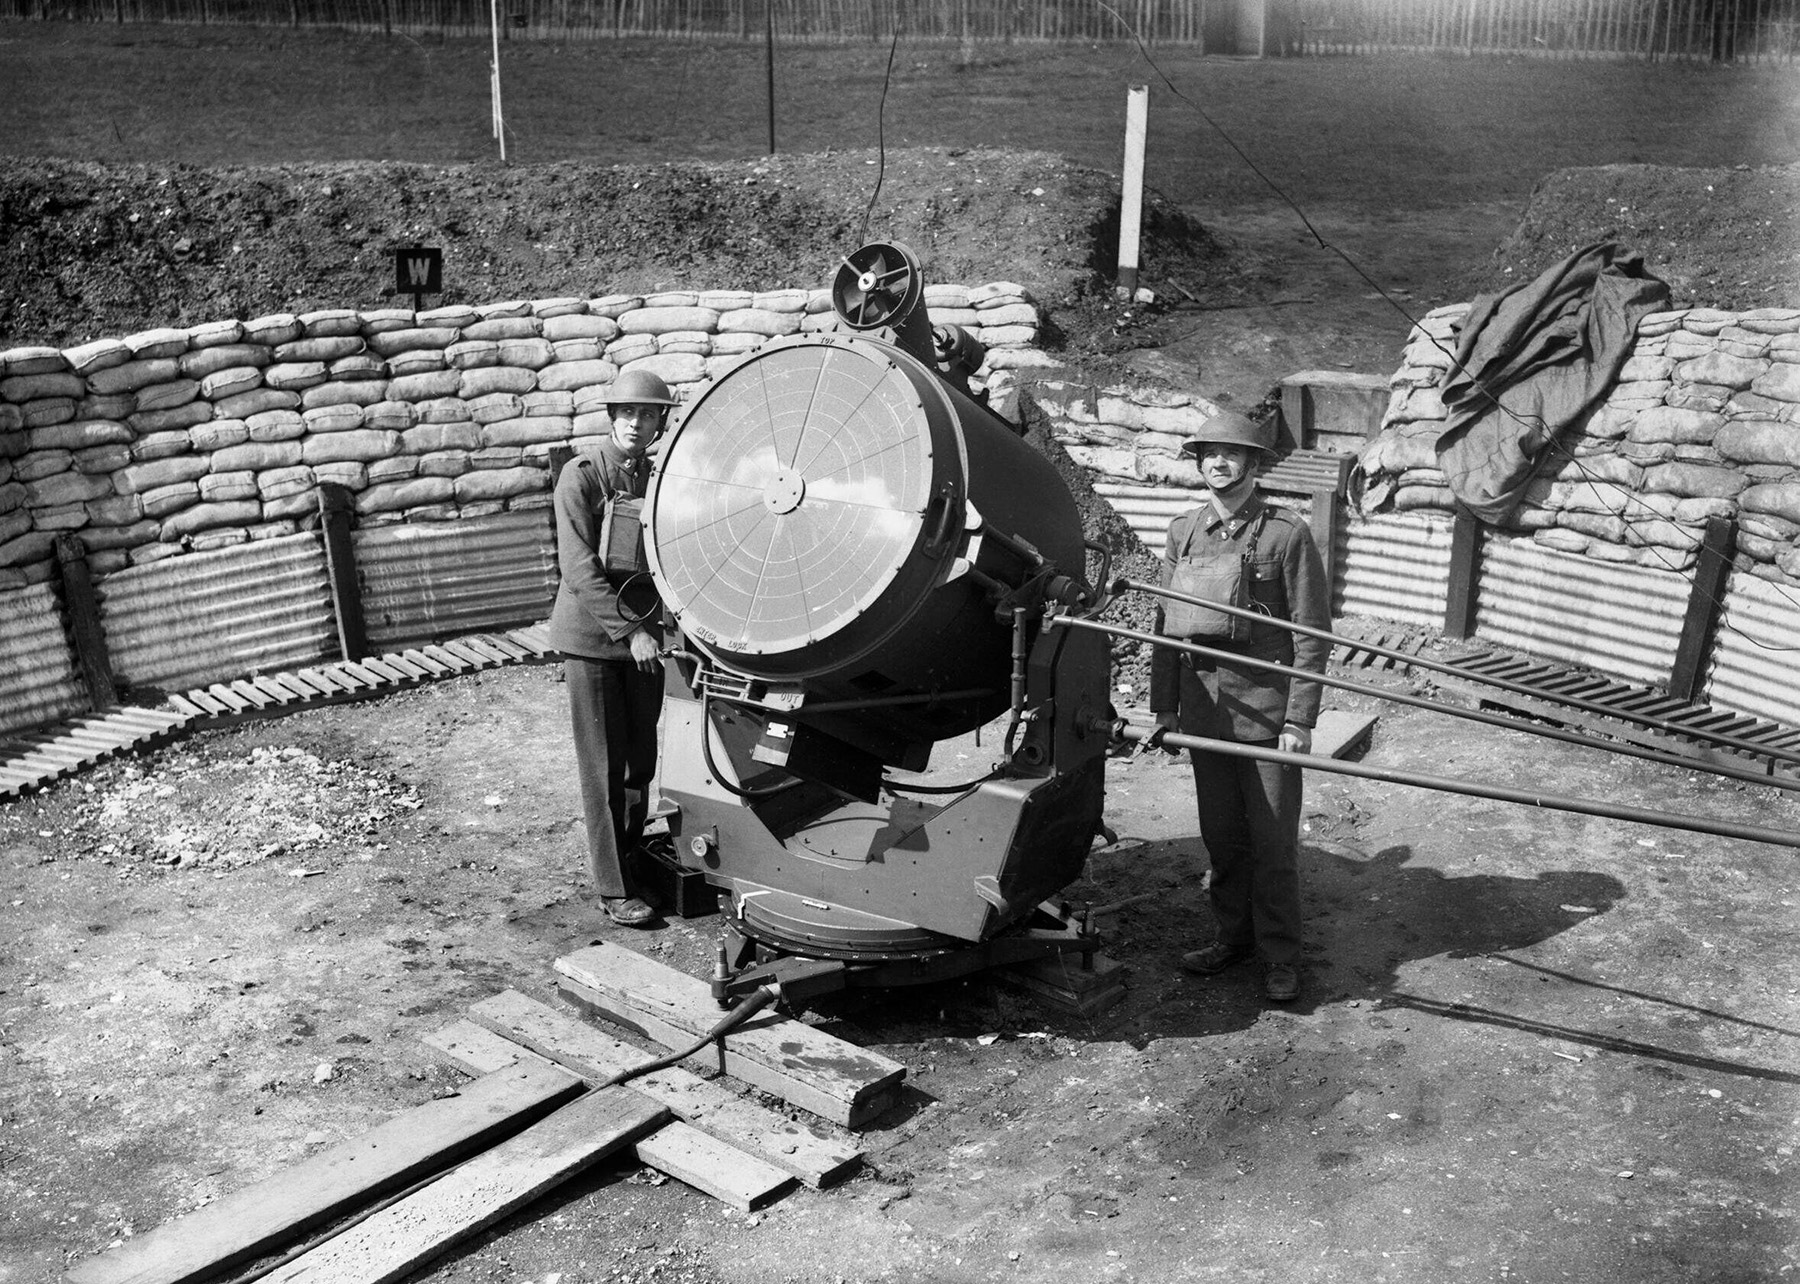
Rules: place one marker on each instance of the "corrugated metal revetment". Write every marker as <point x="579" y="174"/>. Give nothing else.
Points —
<point x="38" y="679"/>
<point x="1756" y="651"/>
<point x="1148" y="510"/>
<point x="425" y="581"/>
<point x="209" y="617"/>
<point x="1618" y="618"/>
<point x="1394" y="567"/>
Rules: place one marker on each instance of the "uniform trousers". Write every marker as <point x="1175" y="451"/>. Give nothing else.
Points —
<point x="614" y="705"/>
<point x="1250" y="823"/>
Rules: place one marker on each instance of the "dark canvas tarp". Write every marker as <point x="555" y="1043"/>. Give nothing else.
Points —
<point x="1534" y="361"/>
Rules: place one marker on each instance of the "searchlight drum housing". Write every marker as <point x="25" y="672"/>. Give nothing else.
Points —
<point x="860" y="555"/>
<point x="813" y="518"/>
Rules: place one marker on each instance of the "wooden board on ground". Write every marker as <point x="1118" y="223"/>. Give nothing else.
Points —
<point x="284" y="1206"/>
<point x="1339" y="732"/>
<point x="706" y="1163"/>
<point x="834" y="1079"/>
<point x="595" y="1055"/>
<point x="716" y="1167"/>
<point x="395" y="1242"/>
<point x="1061" y="981"/>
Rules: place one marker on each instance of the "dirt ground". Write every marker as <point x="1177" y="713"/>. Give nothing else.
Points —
<point x="1532" y="1046"/>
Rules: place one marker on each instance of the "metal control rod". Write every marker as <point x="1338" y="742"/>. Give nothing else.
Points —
<point x="1464" y="675"/>
<point x="1436" y="706"/>
<point x="1451" y="785"/>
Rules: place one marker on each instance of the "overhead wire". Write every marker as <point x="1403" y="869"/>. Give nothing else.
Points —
<point x="887" y="79"/>
<point x="1528" y="421"/>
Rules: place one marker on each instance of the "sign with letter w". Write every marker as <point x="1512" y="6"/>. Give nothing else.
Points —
<point x="419" y="270"/>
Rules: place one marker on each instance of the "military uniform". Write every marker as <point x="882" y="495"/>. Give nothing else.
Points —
<point x="613" y="703"/>
<point x="1249" y="810"/>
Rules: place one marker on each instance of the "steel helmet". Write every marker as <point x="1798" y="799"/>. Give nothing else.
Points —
<point x="1232" y="429"/>
<point x="638" y="388"/>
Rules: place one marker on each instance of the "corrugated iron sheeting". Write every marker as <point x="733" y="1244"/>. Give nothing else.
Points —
<point x="211" y="617"/>
<point x="1617" y="618"/>
<point x="1756" y="651"/>
<point x="1148" y="510"/>
<point x="39" y="682"/>
<point x="1394" y="567"/>
<point x="434" y="580"/>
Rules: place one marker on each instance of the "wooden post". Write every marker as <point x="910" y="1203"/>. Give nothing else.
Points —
<point x="1459" y="596"/>
<point x="337" y="515"/>
<point x="1131" y="195"/>
<point x="1702" y="618"/>
<point x="1327" y="514"/>
<point x="82" y="610"/>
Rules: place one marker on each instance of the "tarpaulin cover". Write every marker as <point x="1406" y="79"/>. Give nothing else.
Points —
<point x="1532" y="362"/>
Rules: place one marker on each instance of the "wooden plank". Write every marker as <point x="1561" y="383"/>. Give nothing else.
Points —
<point x="504" y="645"/>
<point x="834" y="1079"/>
<point x="400" y="664"/>
<point x="138" y="715"/>
<point x="432" y="667"/>
<point x="454" y="663"/>
<point x="1701" y="618"/>
<point x="476" y="1048"/>
<point x="287" y="1204"/>
<point x="536" y="639"/>
<point x="1340" y="731"/>
<point x="255" y="695"/>
<point x="81" y="609"/>
<point x="336" y="518"/>
<point x="322" y="682"/>
<point x="471" y="656"/>
<point x="368" y="677"/>
<point x="230" y="700"/>
<point x="298" y="692"/>
<point x="186" y="707"/>
<point x="480" y="646"/>
<point x="709" y="1164"/>
<point x="398" y="1240"/>
<point x="213" y="708"/>
<point x="1460" y="593"/>
<point x="1060" y="981"/>
<point x="595" y="1056"/>
<point x="347" y="678"/>
<point x="392" y="674"/>
<point x="715" y="1167"/>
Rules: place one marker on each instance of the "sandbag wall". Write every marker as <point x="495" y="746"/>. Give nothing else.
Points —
<point x="211" y="444"/>
<point x="1598" y="562"/>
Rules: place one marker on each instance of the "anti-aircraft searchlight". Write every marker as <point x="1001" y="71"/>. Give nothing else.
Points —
<point x="860" y="557"/>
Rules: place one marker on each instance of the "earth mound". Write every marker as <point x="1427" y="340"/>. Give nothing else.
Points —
<point x="96" y="249"/>
<point x="1721" y="238"/>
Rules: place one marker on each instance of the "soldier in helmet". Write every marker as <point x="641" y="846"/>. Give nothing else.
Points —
<point x="608" y="627"/>
<point x="1235" y="548"/>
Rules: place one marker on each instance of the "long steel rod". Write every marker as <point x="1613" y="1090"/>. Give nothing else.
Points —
<point x="1466" y="675"/>
<point x="1625" y="749"/>
<point x="1452" y="785"/>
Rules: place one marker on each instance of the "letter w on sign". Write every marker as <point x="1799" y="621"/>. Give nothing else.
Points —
<point x="419" y="271"/>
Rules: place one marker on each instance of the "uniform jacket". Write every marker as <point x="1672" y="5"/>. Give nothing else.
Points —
<point x="589" y="619"/>
<point x="1287" y="582"/>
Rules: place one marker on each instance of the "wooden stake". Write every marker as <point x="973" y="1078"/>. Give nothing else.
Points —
<point x="1131" y="196"/>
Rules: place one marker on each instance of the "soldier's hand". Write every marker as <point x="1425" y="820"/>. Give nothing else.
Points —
<point x="1295" y="739"/>
<point x="644" y="651"/>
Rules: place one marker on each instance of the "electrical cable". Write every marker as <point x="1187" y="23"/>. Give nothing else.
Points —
<point x="881" y="131"/>
<point x="730" y="786"/>
<point x="1527" y="421"/>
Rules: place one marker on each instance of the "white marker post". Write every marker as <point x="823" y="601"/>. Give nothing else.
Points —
<point x="1131" y="197"/>
<point x="494" y="78"/>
